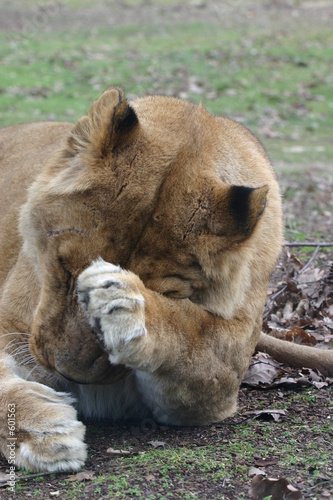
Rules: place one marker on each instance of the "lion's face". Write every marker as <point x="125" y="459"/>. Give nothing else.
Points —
<point x="140" y="189"/>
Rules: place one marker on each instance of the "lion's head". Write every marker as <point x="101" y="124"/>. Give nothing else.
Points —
<point x="160" y="187"/>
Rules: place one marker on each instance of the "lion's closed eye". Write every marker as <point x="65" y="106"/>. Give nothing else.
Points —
<point x="176" y="287"/>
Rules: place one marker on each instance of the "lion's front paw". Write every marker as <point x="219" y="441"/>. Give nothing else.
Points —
<point x="115" y="306"/>
<point x="47" y="434"/>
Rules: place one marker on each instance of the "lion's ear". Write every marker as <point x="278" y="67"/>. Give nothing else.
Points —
<point x="238" y="210"/>
<point x="109" y="124"/>
<point x="247" y="204"/>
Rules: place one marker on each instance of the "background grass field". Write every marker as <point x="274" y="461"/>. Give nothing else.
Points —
<point x="271" y="70"/>
<point x="268" y="64"/>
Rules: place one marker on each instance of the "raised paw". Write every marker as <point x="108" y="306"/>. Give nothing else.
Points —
<point x="115" y="306"/>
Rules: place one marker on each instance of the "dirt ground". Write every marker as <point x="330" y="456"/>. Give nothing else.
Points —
<point x="308" y="200"/>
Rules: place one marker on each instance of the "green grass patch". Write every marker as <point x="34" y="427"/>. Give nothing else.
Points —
<point x="245" y="74"/>
<point x="224" y="457"/>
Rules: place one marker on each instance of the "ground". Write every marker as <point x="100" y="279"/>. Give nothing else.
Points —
<point x="269" y="65"/>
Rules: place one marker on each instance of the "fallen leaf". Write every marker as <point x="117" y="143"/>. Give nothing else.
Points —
<point x="287" y="311"/>
<point x="3" y="477"/>
<point x="150" y="477"/>
<point x="275" y="489"/>
<point x="157" y="444"/>
<point x="118" y="452"/>
<point x="326" y="494"/>
<point x="287" y="380"/>
<point x="3" y="480"/>
<point x="86" y="475"/>
<point x="262" y="370"/>
<point x="254" y="471"/>
<point x="296" y="334"/>
<point x="275" y="414"/>
<point x="311" y="275"/>
<point x="265" y="463"/>
<point x="195" y="86"/>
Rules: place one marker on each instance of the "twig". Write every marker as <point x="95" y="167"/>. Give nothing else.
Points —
<point x="30" y="476"/>
<point x="314" y="255"/>
<point x="322" y="483"/>
<point x="308" y="244"/>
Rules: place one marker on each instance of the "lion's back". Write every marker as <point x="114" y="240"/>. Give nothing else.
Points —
<point x="24" y="149"/>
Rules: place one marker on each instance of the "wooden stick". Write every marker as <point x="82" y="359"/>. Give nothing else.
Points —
<point x="308" y="244"/>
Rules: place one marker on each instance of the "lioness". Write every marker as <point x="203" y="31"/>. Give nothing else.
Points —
<point x="136" y="249"/>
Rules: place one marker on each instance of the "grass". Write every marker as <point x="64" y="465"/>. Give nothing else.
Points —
<point x="225" y="458"/>
<point x="244" y="73"/>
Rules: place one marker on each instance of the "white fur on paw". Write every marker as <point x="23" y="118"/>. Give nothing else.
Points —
<point x="50" y="438"/>
<point x="114" y="305"/>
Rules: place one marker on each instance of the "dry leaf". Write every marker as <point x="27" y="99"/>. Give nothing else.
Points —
<point x="263" y="370"/>
<point x="254" y="471"/>
<point x="287" y="311"/>
<point x="86" y="475"/>
<point x="275" y="489"/>
<point x="275" y="414"/>
<point x="157" y="444"/>
<point x="266" y="463"/>
<point x="3" y="477"/>
<point x="303" y="303"/>
<point x="311" y="275"/>
<point x="297" y="335"/>
<point x="326" y="494"/>
<point x="118" y="452"/>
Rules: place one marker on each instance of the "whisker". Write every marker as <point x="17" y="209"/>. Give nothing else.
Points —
<point x="21" y="348"/>
<point x="28" y="359"/>
<point x="24" y="359"/>
<point x="20" y="351"/>
<point x="15" y="343"/>
<point x="10" y="344"/>
<point x="31" y="371"/>
<point x="16" y="333"/>
<point x="44" y="374"/>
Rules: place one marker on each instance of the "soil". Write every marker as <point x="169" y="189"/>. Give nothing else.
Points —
<point x="137" y="438"/>
<point x="197" y="483"/>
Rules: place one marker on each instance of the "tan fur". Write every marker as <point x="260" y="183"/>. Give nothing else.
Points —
<point x="162" y="192"/>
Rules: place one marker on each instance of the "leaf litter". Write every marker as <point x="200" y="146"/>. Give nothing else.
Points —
<point x="300" y="310"/>
<point x="274" y="489"/>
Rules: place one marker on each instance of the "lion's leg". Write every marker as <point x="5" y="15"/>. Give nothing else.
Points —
<point x="189" y="363"/>
<point x="39" y="430"/>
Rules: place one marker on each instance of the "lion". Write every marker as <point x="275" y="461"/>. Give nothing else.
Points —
<point x="136" y="250"/>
